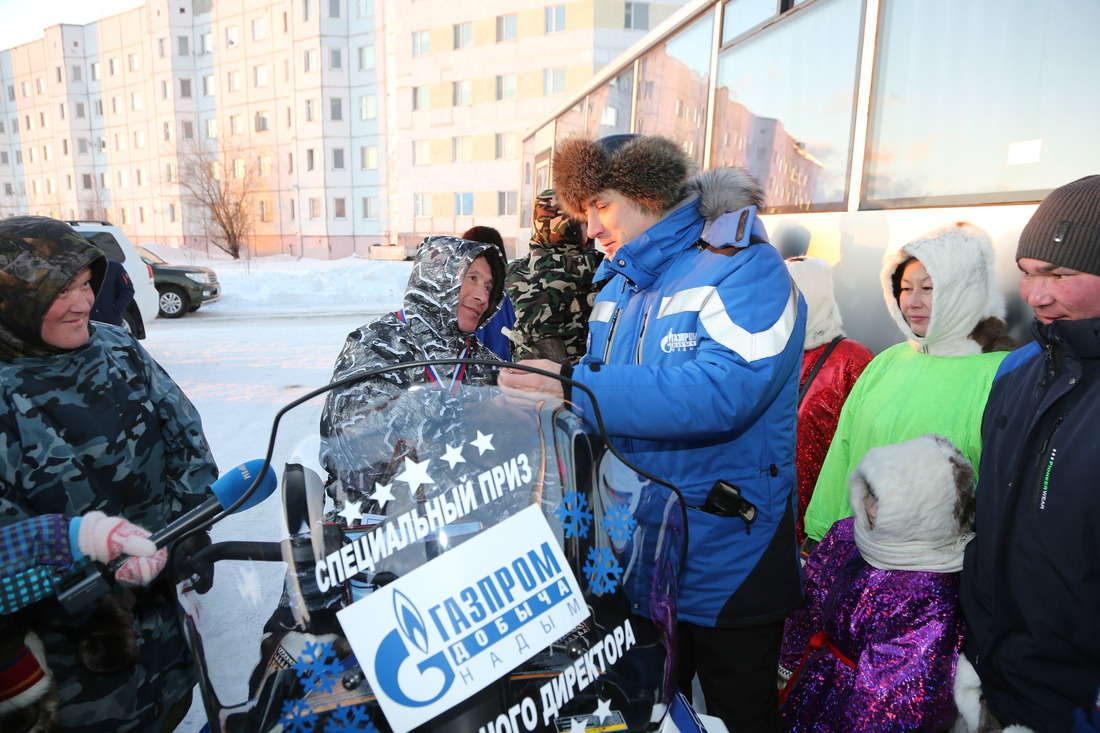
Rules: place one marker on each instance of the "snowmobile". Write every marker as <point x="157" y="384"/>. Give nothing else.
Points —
<point x="473" y="561"/>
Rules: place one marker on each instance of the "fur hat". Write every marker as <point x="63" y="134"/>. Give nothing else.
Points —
<point x="1065" y="229"/>
<point x="814" y="279"/>
<point x="649" y="170"/>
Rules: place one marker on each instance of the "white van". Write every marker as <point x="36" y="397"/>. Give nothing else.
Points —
<point x="116" y="245"/>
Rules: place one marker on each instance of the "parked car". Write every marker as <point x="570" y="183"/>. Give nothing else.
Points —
<point x="116" y="245"/>
<point x="182" y="288"/>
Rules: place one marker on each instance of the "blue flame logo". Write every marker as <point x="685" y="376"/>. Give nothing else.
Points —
<point x="410" y="621"/>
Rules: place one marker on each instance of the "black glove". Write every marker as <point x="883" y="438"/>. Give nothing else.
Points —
<point x="184" y="566"/>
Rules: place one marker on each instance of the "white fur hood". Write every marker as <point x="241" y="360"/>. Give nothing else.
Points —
<point x="814" y="279"/>
<point x="959" y="260"/>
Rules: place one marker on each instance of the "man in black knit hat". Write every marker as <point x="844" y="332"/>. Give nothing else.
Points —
<point x="1031" y="578"/>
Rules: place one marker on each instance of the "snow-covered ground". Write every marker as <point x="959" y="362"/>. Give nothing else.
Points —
<point x="272" y="337"/>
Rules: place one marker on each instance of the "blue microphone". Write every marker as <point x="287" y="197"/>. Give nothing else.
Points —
<point x="227" y="489"/>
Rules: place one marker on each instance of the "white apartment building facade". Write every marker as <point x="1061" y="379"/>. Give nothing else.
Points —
<point x="343" y="123"/>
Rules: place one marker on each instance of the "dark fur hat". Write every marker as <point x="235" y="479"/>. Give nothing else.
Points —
<point x="649" y="170"/>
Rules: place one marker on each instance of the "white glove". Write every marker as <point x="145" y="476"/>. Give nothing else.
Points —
<point x="104" y="538"/>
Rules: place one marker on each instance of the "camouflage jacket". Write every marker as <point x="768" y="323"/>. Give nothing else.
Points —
<point x="552" y="288"/>
<point x="425" y="328"/>
<point x="99" y="427"/>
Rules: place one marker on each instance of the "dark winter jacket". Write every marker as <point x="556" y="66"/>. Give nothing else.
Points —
<point x="115" y="295"/>
<point x="425" y="328"/>
<point x="696" y="341"/>
<point x="99" y="427"/>
<point x="552" y="287"/>
<point x="1030" y="590"/>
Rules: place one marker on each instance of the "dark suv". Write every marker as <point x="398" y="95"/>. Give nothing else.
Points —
<point x="182" y="288"/>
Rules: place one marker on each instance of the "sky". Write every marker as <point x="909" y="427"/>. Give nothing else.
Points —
<point x="23" y="20"/>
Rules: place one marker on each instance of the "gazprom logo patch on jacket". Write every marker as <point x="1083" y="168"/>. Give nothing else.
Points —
<point x="678" y="341"/>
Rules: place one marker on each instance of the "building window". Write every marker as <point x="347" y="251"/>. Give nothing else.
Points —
<point x="506" y="87"/>
<point x="336" y="108"/>
<point x="140" y="177"/>
<point x="76" y="73"/>
<point x="506" y="27"/>
<point x="366" y="58"/>
<point x="259" y="30"/>
<point x="134" y="62"/>
<point x="311" y="59"/>
<point x="311" y="159"/>
<point x="239" y="168"/>
<point x="265" y="210"/>
<point x="182" y="45"/>
<point x="259" y="75"/>
<point x="338" y="209"/>
<point x="422" y="204"/>
<point x="368" y="157"/>
<point x="231" y="36"/>
<point x="162" y="44"/>
<point x="370" y="207"/>
<point x="421" y="43"/>
<point x="315" y="208"/>
<point x="336" y="59"/>
<point x="506" y="203"/>
<point x="505" y="145"/>
<point x="337" y="159"/>
<point x="637" y="16"/>
<point x="172" y="213"/>
<point x="139" y="139"/>
<point x="167" y="131"/>
<point x="263" y="163"/>
<point x="112" y="69"/>
<point x="233" y="81"/>
<point x="422" y="152"/>
<point x="79" y="110"/>
<point x="208" y="85"/>
<point x="235" y="127"/>
<point x="461" y="92"/>
<point x="461" y="149"/>
<point x="368" y="107"/>
<point x="212" y="127"/>
<point x="206" y="43"/>
<point x="463" y="34"/>
<point x="82" y="146"/>
<point x="553" y="81"/>
<point x="555" y="18"/>
<point x="365" y="8"/>
<point x="187" y="129"/>
<point x="464" y="204"/>
<point x="261" y="122"/>
<point x="135" y="101"/>
<point x="422" y="97"/>
<point x="310" y="114"/>
<point x="334" y="8"/>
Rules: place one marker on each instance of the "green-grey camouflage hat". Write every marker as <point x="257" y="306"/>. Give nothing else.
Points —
<point x="39" y="257"/>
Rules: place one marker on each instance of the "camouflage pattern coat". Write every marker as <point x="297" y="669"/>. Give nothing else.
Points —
<point x="355" y="447"/>
<point x="100" y="427"/>
<point x="552" y="288"/>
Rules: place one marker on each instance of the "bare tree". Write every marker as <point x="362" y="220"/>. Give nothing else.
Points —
<point x="217" y="185"/>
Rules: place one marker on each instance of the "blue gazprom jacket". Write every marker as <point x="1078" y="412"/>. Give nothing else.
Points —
<point x="694" y="354"/>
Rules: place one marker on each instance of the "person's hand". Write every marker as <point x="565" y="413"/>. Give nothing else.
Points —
<point x="103" y="538"/>
<point x="524" y="381"/>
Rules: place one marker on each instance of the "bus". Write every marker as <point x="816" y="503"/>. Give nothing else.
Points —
<point x="867" y="122"/>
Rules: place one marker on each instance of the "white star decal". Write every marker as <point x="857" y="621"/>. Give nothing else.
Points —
<point x="603" y="710"/>
<point x="382" y="494"/>
<point x="483" y="442"/>
<point x="352" y="510"/>
<point x="415" y="474"/>
<point x="578" y="725"/>
<point x="453" y="455"/>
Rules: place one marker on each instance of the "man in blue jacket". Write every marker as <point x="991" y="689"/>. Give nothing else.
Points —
<point x="693" y="356"/>
<point x="1031" y="578"/>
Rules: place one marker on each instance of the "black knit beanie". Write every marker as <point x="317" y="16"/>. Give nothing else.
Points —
<point x="1065" y="229"/>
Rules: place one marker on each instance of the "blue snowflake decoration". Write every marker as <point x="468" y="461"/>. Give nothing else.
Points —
<point x="602" y="570"/>
<point x="619" y="522"/>
<point x="350" y="719"/>
<point x="574" y="514"/>
<point x="298" y="717"/>
<point x="317" y="668"/>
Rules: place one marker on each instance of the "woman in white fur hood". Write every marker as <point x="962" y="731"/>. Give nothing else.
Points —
<point x="937" y="381"/>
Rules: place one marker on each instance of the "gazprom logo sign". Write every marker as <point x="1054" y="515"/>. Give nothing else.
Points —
<point x="434" y="637"/>
<point x="678" y="341"/>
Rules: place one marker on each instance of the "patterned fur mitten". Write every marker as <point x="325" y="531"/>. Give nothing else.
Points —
<point x="104" y="538"/>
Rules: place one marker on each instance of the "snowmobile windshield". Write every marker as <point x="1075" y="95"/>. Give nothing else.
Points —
<point x="455" y="560"/>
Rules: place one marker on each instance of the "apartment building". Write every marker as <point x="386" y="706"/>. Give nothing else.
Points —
<point x="336" y="124"/>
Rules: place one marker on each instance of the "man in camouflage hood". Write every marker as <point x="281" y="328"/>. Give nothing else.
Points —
<point x="90" y="423"/>
<point x="552" y="288"/>
<point x="455" y="287"/>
